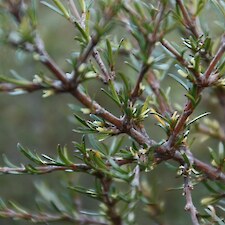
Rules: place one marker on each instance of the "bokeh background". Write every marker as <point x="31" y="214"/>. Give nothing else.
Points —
<point x="41" y="124"/>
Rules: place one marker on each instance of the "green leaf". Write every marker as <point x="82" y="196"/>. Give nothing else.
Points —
<point x="52" y="7"/>
<point x="109" y="54"/>
<point x="14" y="81"/>
<point x="116" y="145"/>
<point x="186" y="159"/>
<point x="192" y="99"/>
<point x="62" y="8"/>
<point x="176" y="78"/>
<point x="221" y="152"/>
<point x="82" y="5"/>
<point x="114" y="92"/>
<point x="209" y="187"/>
<point x="96" y="145"/>
<point x="63" y="155"/>
<point x="81" y="120"/>
<point x="82" y="31"/>
<point x="29" y="154"/>
<point x="89" y="192"/>
<point x="111" y="96"/>
<point x="197" y="118"/>
<point x="215" y="160"/>
<point x="18" y="207"/>
<point x="7" y="162"/>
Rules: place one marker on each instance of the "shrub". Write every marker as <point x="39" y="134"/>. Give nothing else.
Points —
<point x="130" y="52"/>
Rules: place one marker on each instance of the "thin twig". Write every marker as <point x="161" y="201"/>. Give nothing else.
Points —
<point x="188" y="22"/>
<point x="151" y="40"/>
<point x="179" y="57"/>
<point x="155" y="86"/>
<point x="48" y="61"/>
<point x="44" y="169"/>
<point x="110" y="203"/>
<point x="136" y="89"/>
<point x="106" y="75"/>
<point x="47" y="217"/>
<point x="171" y="49"/>
<point x="31" y="87"/>
<point x="53" y="168"/>
<point x="97" y="109"/>
<point x="216" y="59"/>
<point x="189" y="203"/>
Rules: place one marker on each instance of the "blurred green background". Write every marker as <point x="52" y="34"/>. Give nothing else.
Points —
<point x="42" y="123"/>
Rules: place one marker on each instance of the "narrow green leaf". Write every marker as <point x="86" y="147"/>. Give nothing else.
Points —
<point x="176" y="78"/>
<point x="110" y="96"/>
<point x="17" y="207"/>
<point x="28" y="154"/>
<point x="7" y="162"/>
<point x="82" y="31"/>
<point x="81" y="120"/>
<point x="109" y="53"/>
<point x="52" y="7"/>
<point x="197" y="118"/>
<point x="63" y="155"/>
<point x="114" y="92"/>
<point x="62" y="8"/>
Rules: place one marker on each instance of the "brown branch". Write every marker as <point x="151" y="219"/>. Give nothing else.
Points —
<point x="171" y="49"/>
<point x="142" y="139"/>
<point x="31" y="87"/>
<point x="107" y="76"/>
<point x="155" y="86"/>
<point x="216" y="59"/>
<point x="188" y="22"/>
<point x="47" y="217"/>
<point x="179" y="58"/>
<point x="188" y="110"/>
<point x="110" y="203"/>
<point x="137" y="135"/>
<point x="53" y="168"/>
<point x="48" y="61"/>
<point x="44" y="169"/>
<point x="96" y="108"/>
<point x="151" y="40"/>
<point x="136" y="89"/>
<point x="189" y="203"/>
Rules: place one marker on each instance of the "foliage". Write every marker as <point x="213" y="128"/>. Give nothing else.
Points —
<point x="117" y="150"/>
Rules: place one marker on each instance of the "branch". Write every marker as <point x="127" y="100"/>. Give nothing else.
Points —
<point x="136" y="89"/>
<point x="155" y="86"/>
<point x="179" y="57"/>
<point x="48" y="61"/>
<point x="52" y="168"/>
<point x="9" y="87"/>
<point x="216" y="59"/>
<point x="188" y="22"/>
<point x="189" y="108"/>
<point x="189" y="203"/>
<point x="151" y="40"/>
<point x="46" y="217"/>
<point x="97" y="109"/>
<point x="44" y="169"/>
<point x="110" y="203"/>
<point x="106" y="75"/>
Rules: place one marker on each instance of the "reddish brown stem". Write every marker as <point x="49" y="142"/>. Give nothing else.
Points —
<point x="188" y="22"/>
